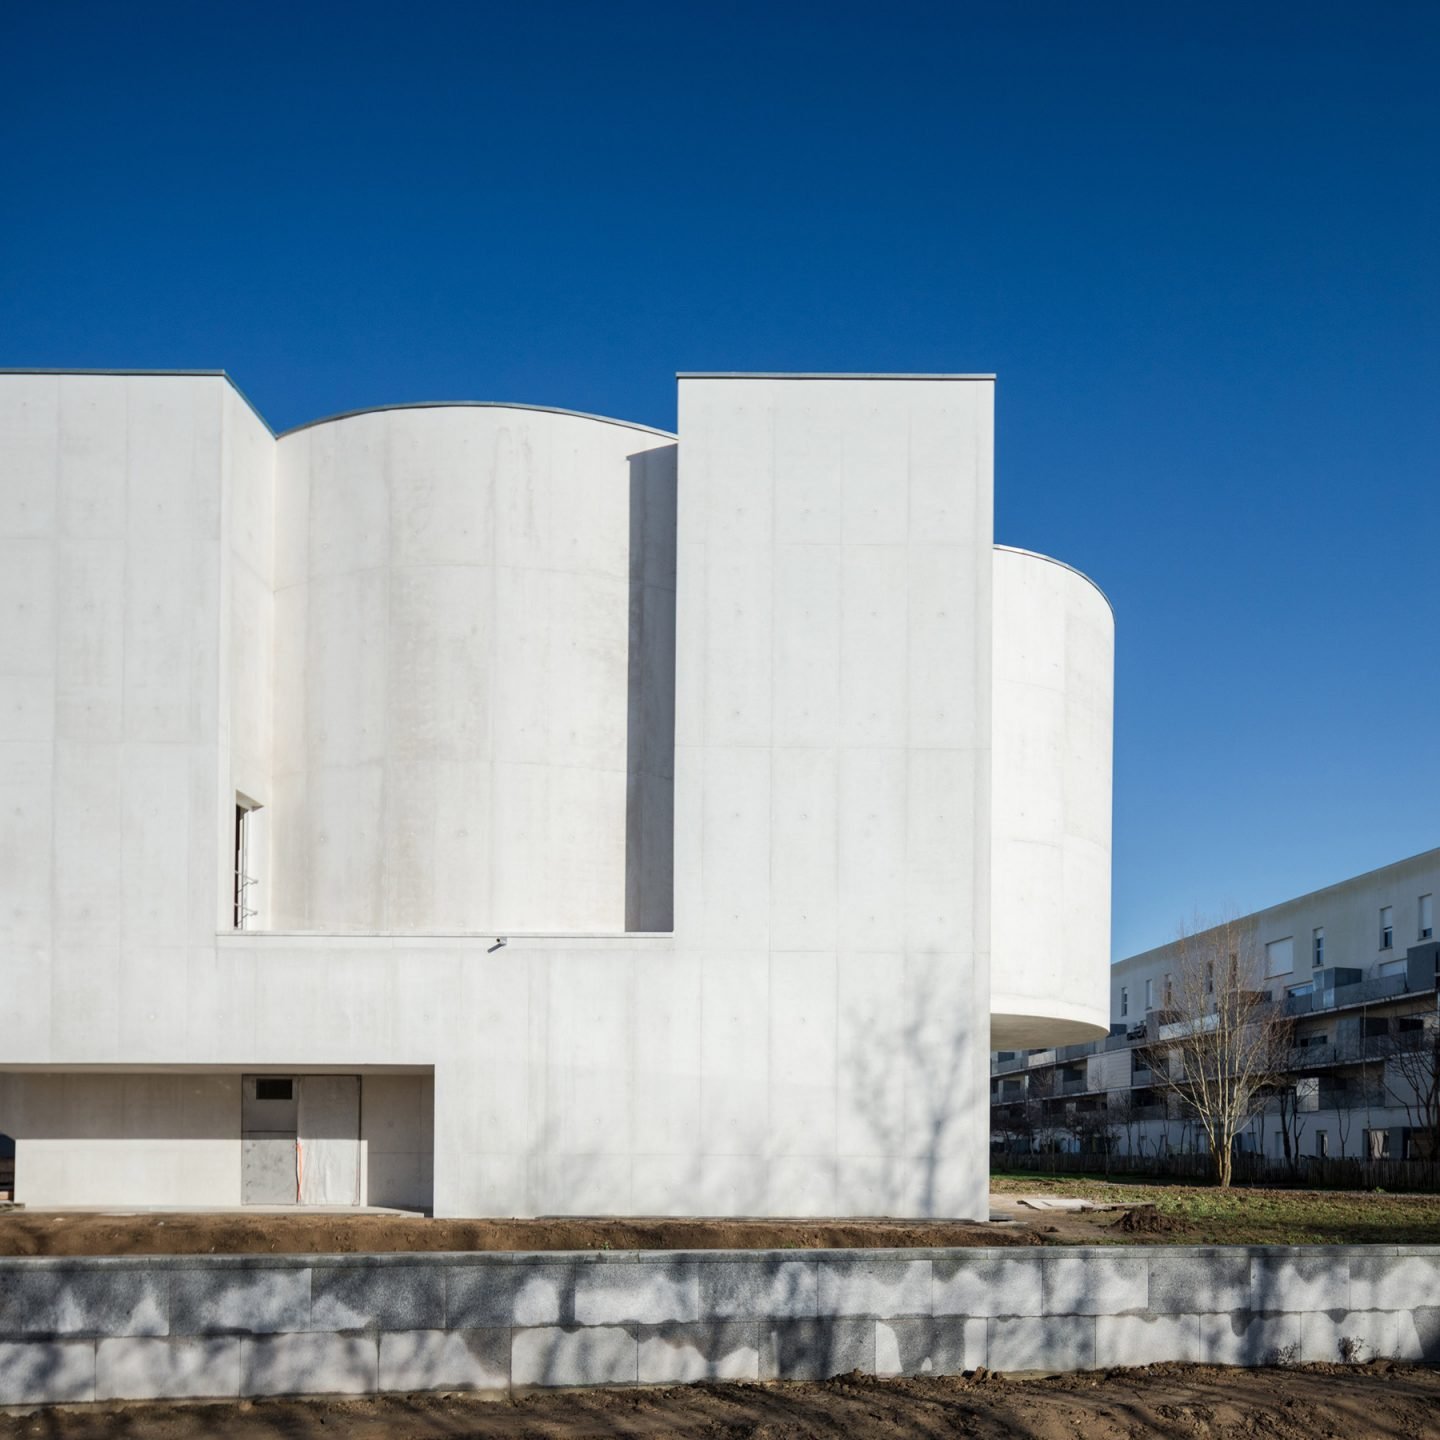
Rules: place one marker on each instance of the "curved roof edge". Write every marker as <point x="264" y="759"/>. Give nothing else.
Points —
<point x="475" y="404"/>
<point x="224" y="375"/>
<point x="829" y="375"/>
<point x="1036" y="555"/>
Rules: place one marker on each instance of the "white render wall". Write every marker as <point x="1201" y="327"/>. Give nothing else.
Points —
<point x="1054" y="686"/>
<point x="192" y="609"/>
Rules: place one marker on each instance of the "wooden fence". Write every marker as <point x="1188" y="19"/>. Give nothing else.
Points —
<point x="1307" y="1170"/>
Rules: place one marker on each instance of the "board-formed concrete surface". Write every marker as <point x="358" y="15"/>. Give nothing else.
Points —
<point x="641" y="817"/>
<point x="77" y="1330"/>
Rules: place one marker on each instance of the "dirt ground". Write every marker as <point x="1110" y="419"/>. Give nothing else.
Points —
<point x="1131" y="1214"/>
<point x="39" y="1232"/>
<point x="1314" y="1402"/>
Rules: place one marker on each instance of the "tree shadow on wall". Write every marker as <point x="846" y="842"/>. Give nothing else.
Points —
<point x="907" y="1075"/>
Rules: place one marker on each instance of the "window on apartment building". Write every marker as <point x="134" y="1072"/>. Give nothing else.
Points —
<point x="1209" y="977"/>
<point x="1427" y="917"/>
<point x="1377" y="1144"/>
<point x="1322" y="1143"/>
<point x="1124" y="1001"/>
<point x="1387" y="928"/>
<point x="1150" y="994"/>
<point x="1317" y="947"/>
<point x="1169" y="991"/>
<point x="1280" y="956"/>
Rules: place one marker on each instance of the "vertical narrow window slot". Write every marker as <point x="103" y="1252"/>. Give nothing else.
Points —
<point x="247" y="879"/>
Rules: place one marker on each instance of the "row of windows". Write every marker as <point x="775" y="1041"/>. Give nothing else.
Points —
<point x="1279" y="953"/>
<point x="1424" y="930"/>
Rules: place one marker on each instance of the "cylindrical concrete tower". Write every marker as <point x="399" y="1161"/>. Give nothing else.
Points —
<point x="474" y="692"/>
<point x="1050" y="858"/>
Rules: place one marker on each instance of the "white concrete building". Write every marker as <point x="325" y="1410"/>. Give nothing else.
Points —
<point x="509" y="811"/>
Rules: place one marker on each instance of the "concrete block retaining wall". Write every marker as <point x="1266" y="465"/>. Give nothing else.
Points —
<point x="192" y="1326"/>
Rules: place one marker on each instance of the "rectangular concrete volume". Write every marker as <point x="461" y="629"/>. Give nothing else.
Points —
<point x="188" y="1327"/>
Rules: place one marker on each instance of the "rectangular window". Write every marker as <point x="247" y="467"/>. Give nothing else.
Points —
<point x="1317" y="947"/>
<point x="1280" y="956"/>
<point x="1427" y="917"/>
<point x="1169" y="991"/>
<point x="272" y="1089"/>
<point x="247" y="862"/>
<point x="1387" y="928"/>
<point x="1322" y="1143"/>
<point x="1149" y="994"/>
<point x="1209" y="977"/>
<point x="1124" y="1000"/>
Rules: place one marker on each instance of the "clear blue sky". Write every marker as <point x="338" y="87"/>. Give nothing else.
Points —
<point x="1199" y="243"/>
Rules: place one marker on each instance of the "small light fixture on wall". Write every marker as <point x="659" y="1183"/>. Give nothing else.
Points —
<point x="500" y="942"/>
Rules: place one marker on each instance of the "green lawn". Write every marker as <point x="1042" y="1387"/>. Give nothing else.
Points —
<point x="1242" y="1216"/>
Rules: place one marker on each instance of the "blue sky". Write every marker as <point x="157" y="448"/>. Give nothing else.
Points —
<point x="1197" y="242"/>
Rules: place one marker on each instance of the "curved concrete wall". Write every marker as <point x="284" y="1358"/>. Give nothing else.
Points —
<point x="473" y="697"/>
<point x="1054" y="664"/>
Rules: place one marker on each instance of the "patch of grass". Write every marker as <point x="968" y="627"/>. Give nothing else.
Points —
<point x="1244" y="1216"/>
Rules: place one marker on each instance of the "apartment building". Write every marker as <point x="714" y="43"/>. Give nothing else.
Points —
<point x="1353" y="967"/>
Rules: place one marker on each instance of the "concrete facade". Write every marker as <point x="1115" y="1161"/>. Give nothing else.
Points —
<point x="194" y="1326"/>
<point x="626" y="810"/>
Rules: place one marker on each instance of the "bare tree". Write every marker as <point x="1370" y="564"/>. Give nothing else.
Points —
<point x="1292" y="1124"/>
<point x="1221" y="1043"/>
<point x="1412" y="1079"/>
<point x="1125" y="1116"/>
<point x="1042" y="1113"/>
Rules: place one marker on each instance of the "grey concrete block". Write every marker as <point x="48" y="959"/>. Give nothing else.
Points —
<point x="816" y="1349"/>
<point x="1095" y="1284"/>
<point x="482" y="1297"/>
<point x="46" y="1372"/>
<point x="556" y="1355"/>
<point x="1041" y="1342"/>
<point x="920" y="1345"/>
<point x="988" y="1284"/>
<point x="874" y="1287"/>
<point x="382" y="1297"/>
<point x="167" y="1367"/>
<point x="650" y="1293"/>
<point x="758" y="1289"/>
<point x="706" y="1350"/>
<point x="1394" y="1282"/>
<point x="1418" y="1335"/>
<point x="239" y="1302"/>
<point x="1349" y="1338"/>
<point x="1193" y="1283"/>
<point x="309" y="1364"/>
<point x="1296" y="1283"/>
<point x="1146" y="1339"/>
<point x="93" y="1300"/>
<point x="1241" y="1337"/>
<point x="445" y="1360"/>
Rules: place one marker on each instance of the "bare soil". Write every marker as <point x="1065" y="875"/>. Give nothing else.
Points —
<point x="38" y="1232"/>
<point x="1300" y="1403"/>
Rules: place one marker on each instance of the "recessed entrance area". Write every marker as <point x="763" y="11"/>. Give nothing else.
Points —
<point x="300" y="1140"/>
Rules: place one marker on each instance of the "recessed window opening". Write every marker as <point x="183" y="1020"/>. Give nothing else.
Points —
<point x="247" y="880"/>
<point x="1318" y="956"/>
<point x="273" y="1088"/>
<point x="1387" y="928"/>
<point x="1427" y="917"/>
